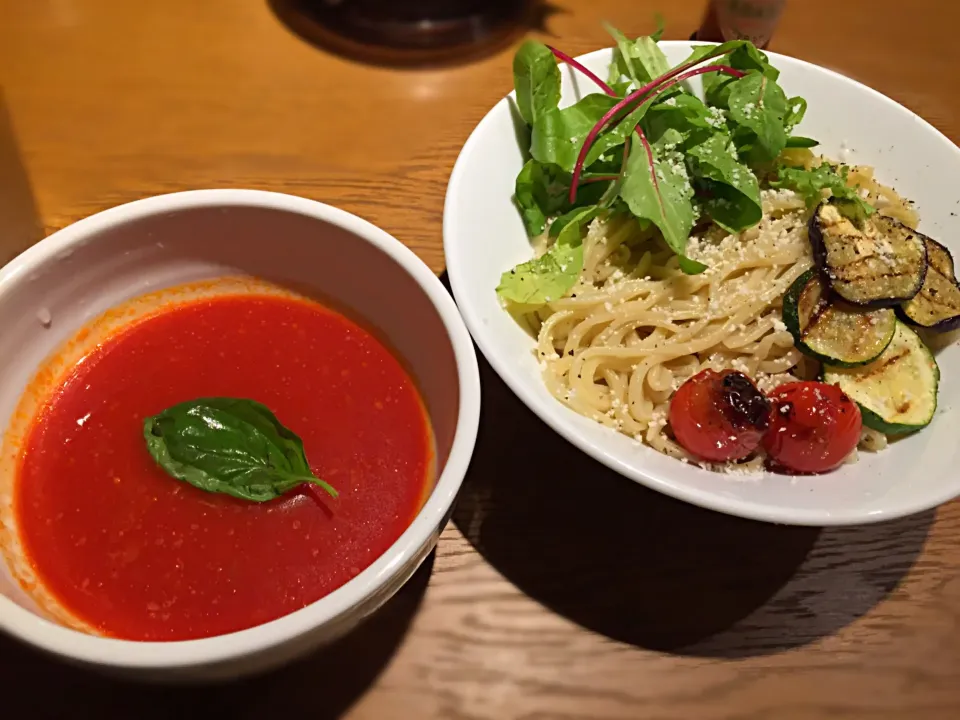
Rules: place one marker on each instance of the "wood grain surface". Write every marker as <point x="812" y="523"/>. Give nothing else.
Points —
<point x="560" y="590"/>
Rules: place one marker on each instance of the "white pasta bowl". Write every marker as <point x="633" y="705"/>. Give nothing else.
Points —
<point x="54" y="288"/>
<point x="484" y="236"/>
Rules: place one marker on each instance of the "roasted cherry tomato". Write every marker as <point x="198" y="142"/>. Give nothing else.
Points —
<point x="813" y="427"/>
<point x="719" y="416"/>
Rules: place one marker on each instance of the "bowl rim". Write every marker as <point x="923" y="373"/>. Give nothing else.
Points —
<point x="552" y="413"/>
<point x="131" y="654"/>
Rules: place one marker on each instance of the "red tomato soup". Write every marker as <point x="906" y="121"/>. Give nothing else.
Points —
<point x="137" y="554"/>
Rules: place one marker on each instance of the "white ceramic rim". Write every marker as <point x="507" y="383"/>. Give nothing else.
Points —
<point x="549" y="413"/>
<point x="54" y="638"/>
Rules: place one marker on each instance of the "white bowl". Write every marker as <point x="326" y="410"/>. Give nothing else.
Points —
<point x="483" y="236"/>
<point x="81" y="271"/>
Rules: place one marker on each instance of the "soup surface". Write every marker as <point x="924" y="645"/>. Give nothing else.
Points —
<point x="134" y="553"/>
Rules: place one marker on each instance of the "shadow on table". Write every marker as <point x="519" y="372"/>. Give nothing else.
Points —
<point x="644" y="569"/>
<point x="323" y="685"/>
<point x="20" y="225"/>
<point x="374" y="32"/>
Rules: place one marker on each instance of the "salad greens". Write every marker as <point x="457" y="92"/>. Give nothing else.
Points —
<point x="645" y="145"/>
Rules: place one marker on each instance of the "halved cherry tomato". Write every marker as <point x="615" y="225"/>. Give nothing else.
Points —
<point x="719" y="416"/>
<point x="813" y="427"/>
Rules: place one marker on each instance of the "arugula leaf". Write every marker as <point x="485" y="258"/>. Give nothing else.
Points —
<point x="701" y="51"/>
<point x="550" y="276"/>
<point x="540" y="192"/>
<point x="581" y="215"/>
<point x="558" y="134"/>
<point x="713" y="83"/>
<point x="747" y="57"/>
<point x="796" y="109"/>
<point x="616" y="135"/>
<point x="811" y="184"/>
<point x="536" y="79"/>
<point x="656" y="188"/>
<point x="543" y="279"/>
<point x="641" y="60"/>
<point x="682" y="112"/>
<point x="534" y="218"/>
<point x="734" y="202"/>
<point x="231" y="446"/>
<point x="758" y="104"/>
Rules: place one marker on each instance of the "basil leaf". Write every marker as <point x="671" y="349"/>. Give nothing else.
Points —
<point x="758" y="104"/>
<point x="735" y="193"/>
<point x="536" y="79"/>
<point x="559" y="134"/>
<point x="659" y="191"/>
<point x="811" y="184"/>
<point x="231" y="446"/>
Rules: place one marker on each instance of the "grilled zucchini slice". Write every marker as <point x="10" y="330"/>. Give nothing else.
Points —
<point x="878" y="263"/>
<point x="937" y="305"/>
<point x="832" y="331"/>
<point x="897" y="392"/>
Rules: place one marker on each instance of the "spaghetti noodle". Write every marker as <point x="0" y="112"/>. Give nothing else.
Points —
<point x="618" y="345"/>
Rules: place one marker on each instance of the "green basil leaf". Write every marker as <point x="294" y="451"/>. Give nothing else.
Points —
<point x="661" y="193"/>
<point x="758" y="104"/>
<point x="559" y="134"/>
<point x="734" y="202"/>
<point x="536" y="79"/>
<point x="231" y="446"/>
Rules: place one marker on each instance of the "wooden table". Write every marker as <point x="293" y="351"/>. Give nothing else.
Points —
<point x="559" y="590"/>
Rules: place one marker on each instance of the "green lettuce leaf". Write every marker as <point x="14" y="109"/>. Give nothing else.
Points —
<point x="558" y="134"/>
<point x="734" y="201"/>
<point x="662" y="194"/>
<point x="640" y="60"/>
<point x="536" y="79"/>
<point x="758" y="104"/>
<point x="550" y="276"/>
<point x="540" y="192"/>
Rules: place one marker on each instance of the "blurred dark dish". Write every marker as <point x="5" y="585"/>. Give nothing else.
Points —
<point x="406" y="32"/>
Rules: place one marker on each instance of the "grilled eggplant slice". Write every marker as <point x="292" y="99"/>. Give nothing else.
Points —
<point x="937" y="305"/>
<point x="897" y="392"/>
<point x="831" y="331"/>
<point x="877" y="262"/>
